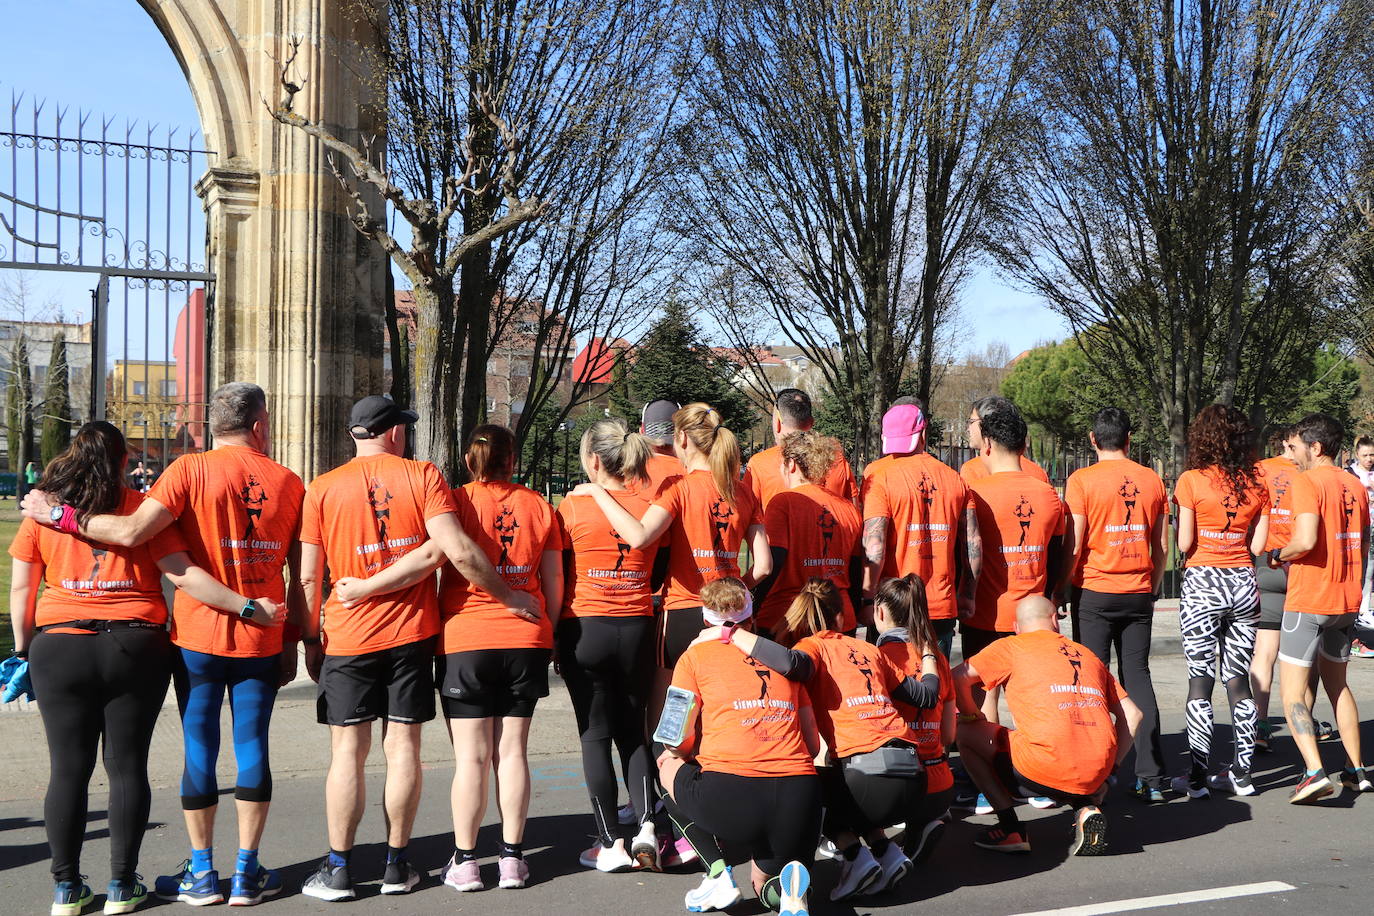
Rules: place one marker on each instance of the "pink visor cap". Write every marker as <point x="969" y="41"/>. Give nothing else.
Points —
<point x="902" y="427"/>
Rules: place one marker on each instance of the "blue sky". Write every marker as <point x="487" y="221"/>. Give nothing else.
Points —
<point x="106" y="56"/>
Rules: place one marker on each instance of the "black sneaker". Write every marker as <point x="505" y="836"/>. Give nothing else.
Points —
<point x="329" y="882"/>
<point x="926" y="840"/>
<point x="400" y="877"/>
<point x="1089" y="832"/>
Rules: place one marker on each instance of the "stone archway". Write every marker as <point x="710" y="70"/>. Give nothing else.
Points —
<point x="298" y="292"/>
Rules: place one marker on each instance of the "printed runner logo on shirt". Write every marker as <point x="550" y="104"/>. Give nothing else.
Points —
<point x="505" y="526"/>
<point x="379" y="498"/>
<point x="622" y="550"/>
<point x="768" y="717"/>
<point x="721" y="513"/>
<point x="1129" y="492"/>
<point x="252" y="495"/>
<point x="864" y="664"/>
<point x="1024" y="512"/>
<point x="1348" y="505"/>
<point x="926" y="487"/>
<point x="1231" y="503"/>
<point x="827" y="522"/>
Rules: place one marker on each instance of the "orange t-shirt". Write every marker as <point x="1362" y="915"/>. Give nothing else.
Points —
<point x="662" y="471"/>
<point x="1122" y="500"/>
<point x="240" y="514"/>
<point x="924" y="502"/>
<point x="705" y="536"/>
<point x="1326" y="580"/>
<point x="851" y="694"/>
<point x="820" y="532"/>
<point x="976" y="469"/>
<point x="763" y="477"/>
<point x="366" y="515"/>
<point x="1278" y="475"/>
<point x="1018" y="514"/>
<point x="1060" y="697"/>
<point x="746" y="713"/>
<point x="88" y="581"/>
<point x="1223" y="517"/>
<point x="610" y="579"/>
<point x="514" y="526"/>
<point x="925" y="723"/>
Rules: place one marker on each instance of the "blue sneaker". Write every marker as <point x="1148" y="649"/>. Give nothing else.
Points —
<point x="124" y="896"/>
<point x="796" y="881"/>
<point x="186" y="887"/>
<point x="249" y="890"/>
<point x="69" y="898"/>
<point x="982" y="805"/>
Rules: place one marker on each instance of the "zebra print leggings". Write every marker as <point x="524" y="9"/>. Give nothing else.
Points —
<point x="1218" y="611"/>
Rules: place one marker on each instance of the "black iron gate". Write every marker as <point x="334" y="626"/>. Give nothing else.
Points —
<point x="80" y="197"/>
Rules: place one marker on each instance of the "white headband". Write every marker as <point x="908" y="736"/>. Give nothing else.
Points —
<point x="716" y="619"/>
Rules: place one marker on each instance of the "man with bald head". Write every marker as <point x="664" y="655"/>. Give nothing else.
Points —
<point x="1074" y="724"/>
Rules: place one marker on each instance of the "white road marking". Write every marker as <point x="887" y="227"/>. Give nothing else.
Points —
<point x="1145" y="903"/>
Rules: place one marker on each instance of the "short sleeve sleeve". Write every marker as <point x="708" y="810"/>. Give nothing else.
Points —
<point x="438" y="499"/>
<point x="310" y="517"/>
<point x="24" y="547"/>
<point x="565" y="523"/>
<point x="670" y="498"/>
<point x="1074" y="495"/>
<point x="750" y="482"/>
<point x="172" y="489"/>
<point x="1305" y="497"/>
<point x="167" y="542"/>
<point x="1118" y="693"/>
<point x="993" y="664"/>
<point x="812" y="647"/>
<point x="750" y="508"/>
<point x="775" y="521"/>
<point x="1183" y="491"/>
<point x="685" y="674"/>
<point x="555" y="538"/>
<point x="874" y="496"/>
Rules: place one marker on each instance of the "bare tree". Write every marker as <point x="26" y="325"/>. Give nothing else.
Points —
<point x="1175" y="206"/>
<point x="845" y="161"/>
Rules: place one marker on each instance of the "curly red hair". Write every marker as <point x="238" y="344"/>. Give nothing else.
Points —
<point x="1221" y="439"/>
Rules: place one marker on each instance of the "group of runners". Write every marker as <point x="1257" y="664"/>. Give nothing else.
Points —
<point x="808" y="696"/>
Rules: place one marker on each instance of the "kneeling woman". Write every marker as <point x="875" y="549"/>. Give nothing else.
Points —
<point x="737" y="768"/>
<point x="878" y="779"/>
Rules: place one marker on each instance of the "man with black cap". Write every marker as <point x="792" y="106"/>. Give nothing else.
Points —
<point x="663" y="468"/>
<point x="377" y="658"/>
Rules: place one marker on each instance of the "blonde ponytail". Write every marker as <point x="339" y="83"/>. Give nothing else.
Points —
<point x="623" y="454"/>
<point x="702" y="425"/>
<point x="817" y="607"/>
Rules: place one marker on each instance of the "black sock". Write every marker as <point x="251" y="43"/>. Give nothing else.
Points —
<point x="337" y="859"/>
<point x="464" y="855"/>
<point x="879" y="846"/>
<point x="1008" y="820"/>
<point x="852" y="852"/>
<point x="511" y="850"/>
<point x="395" y="854"/>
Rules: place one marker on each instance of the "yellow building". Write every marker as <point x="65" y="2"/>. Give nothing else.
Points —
<point x="141" y="398"/>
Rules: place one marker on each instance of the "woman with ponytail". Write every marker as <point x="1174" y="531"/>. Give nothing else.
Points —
<point x="101" y="658"/>
<point x="605" y="643"/>
<point x="706" y="516"/>
<point x="905" y="637"/>
<point x="876" y="778"/>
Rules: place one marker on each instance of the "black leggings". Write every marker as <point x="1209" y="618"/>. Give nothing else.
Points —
<point x="108" y="685"/>
<point x="770" y="819"/>
<point x="608" y="665"/>
<point x="863" y="803"/>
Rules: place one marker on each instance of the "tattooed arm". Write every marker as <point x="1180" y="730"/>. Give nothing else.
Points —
<point x="875" y="549"/>
<point x="970" y="562"/>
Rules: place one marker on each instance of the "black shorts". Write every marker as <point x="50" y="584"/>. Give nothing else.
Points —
<point x="1022" y="787"/>
<point x="396" y="684"/>
<point x="492" y="683"/>
<point x="975" y="639"/>
<point x="770" y="819"/>
<point x="1273" y="592"/>
<point x="676" y="632"/>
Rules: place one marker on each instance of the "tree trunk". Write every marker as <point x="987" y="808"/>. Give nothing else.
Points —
<point x="400" y="346"/>
<point x="437" y="349"/>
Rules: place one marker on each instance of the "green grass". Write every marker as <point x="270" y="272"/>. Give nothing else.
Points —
<point x="9" y="527"/>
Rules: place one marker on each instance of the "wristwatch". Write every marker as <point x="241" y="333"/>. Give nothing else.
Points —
<point x="56" y="513"/>
<point x="250" y="608"/>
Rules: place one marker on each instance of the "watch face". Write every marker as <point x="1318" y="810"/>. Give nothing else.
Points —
<point x="55" y="513"/>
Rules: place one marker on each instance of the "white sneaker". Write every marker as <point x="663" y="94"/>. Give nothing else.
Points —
<point x="644" y="848"/>
<point x="1184" y="786"/>
<point x="1230" y="781"/>
<point x="713" y="893"/>
<point x="857" y="876"/>
<point x="609" y="859"/>
<point x="796" y="881"/>
<point x="1041" y="802"/>
<point x="826" y="850"/>
<point x="895" y="865"/>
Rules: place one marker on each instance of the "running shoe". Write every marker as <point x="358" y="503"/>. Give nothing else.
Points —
<point x="965" y="799"/>
<point x="857" y="875"/>
<point x="124" y="896"/>
<point x="1326" y="732"/>
<point x="1089" y="832"/>
<point x="625" y="814"/>
<point x="713" y="893"/>
<point x="249" y="890"/>
<point x="607" y="859"/>
<point x="1228" y="780"/>
<point x="895" y="865"/>
<point x="1147" y="793"/>
<point x="1355" y="780"/>
<point x="69" y="898"/>
<point x="329" y="883"/>
<point x="825" y="849"/>
<point x="400" y="877"/>
<point x="982" y="805"/>
<point x="644" y="848"/>
<point x="463" y="876"/>
<point x="1187" y="785"/>
<point x="187" y="887"/>
<point x="927" y="840"/>
<point x="1041" y="802"/>
<point x="514" y="873"/>
<point x="999" y="840"/>
<point x="1360" y="650"/>
<point x="672" y="853"/>
<point x="1263" y="730"/>
<point x="1314" y="787"/>
<point x="795" y="881"/>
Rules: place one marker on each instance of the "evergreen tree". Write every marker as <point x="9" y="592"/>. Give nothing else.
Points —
<point x="57" y="407"/>
<point x="674" y="363"/>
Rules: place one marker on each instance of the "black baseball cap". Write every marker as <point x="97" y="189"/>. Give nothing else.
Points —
<point x="375" y="414"/>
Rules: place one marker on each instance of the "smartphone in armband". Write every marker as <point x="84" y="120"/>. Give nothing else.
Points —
<point x="677" y="710"/>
